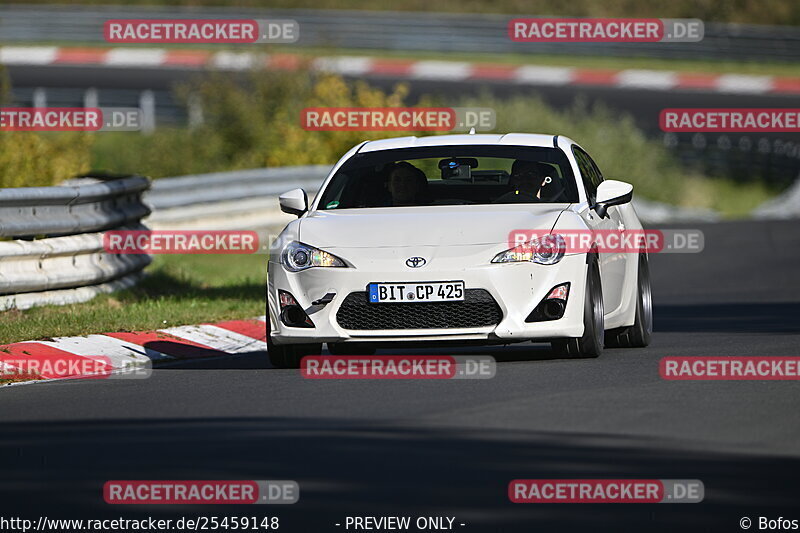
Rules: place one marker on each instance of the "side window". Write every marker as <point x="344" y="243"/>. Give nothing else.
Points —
<point x="590" y="174"/>
<point x="598" y="175"/>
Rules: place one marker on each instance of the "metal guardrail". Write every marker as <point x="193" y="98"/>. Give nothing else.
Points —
<point x="229" y="200"/>
<point x="32" y="211"/>
<point x="784" y="206"/>
<point x="437" y="32"/>
<point x="54" y="252"/>
<point x="62" y="262"/>
<point x="238" y="184"/>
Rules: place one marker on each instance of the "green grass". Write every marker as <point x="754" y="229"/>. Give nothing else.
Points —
<point x="733" y="200"/>
<point x="179" y="289"/>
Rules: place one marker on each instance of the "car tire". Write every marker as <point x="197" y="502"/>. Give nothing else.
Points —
<point x="289" y="355"/>
<point x="590" y="344"/>
<point x="351" y="348"/>
<point x="638" y="335"/>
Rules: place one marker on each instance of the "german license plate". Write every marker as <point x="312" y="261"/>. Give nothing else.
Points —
<point x="435" y="291"/>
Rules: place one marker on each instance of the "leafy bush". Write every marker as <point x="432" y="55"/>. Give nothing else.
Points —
<point x="33" y="159"/>
<point x="247" y="124"/>
<point x="167" y="152"/>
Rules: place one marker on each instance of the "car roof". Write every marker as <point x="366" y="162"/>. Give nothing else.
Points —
<point x="508" y="139"/>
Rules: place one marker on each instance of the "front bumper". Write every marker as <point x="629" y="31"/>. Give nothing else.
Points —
<point x="516" y="287"/>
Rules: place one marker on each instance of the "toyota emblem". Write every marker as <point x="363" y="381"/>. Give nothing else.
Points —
<point x="415" y="262"/>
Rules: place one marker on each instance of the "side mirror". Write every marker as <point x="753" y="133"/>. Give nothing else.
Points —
<point x="612" y="192"/>
<point x="294" y="202"/>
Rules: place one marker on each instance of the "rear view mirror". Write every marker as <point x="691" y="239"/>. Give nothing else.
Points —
<point x="294" y="202"/>
<point x="612" y="192"/>
<point x="458" y="167"/>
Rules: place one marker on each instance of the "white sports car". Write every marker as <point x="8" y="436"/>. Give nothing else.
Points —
<point x="417" y="240"/>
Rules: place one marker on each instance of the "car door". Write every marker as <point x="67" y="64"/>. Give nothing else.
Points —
<point x="612" y="264"/>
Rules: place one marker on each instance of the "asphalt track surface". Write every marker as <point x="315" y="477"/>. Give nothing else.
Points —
<point x="450" y="448"/>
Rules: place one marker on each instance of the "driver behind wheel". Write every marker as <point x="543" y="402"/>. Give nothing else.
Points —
<point x="532" y="182"/>
<point x="407" y="185"/>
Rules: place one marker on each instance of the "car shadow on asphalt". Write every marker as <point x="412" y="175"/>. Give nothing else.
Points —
<point x="346" y="468"/>
<point x="210" y="359"/>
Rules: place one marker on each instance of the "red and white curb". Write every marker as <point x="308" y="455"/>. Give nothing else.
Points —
<point x="661" y="80"/>
<point x="126" y="349"/>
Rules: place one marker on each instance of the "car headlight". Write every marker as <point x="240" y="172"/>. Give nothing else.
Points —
<point x="548" y="250"/>
<point x="298" y="256"/>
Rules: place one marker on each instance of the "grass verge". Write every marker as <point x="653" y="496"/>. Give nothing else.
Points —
<point x="180" y="289"/>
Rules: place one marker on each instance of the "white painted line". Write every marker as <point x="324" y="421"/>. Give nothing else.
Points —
<point x="118" y="351"/>
<point x="128" y="57"/>
<point x="262" y="318"/>
<point x="347" y="65"/>
<point x="440" y="70"/>
<point x="28" y="55"/>
<point x="218" y="338"/>
<point x="538" y="75"/>
<point x="245" y="344"/>
<point x="236" y="61"/>
<point x="737" y="83"/>
<point x="647" y="79"/>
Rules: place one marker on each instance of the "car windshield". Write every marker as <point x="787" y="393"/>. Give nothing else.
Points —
<point x="451" y="175"/>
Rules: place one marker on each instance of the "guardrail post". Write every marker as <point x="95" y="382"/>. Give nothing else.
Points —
<point x="147" y="103"/>
<point x="90" y="98"/>
<point x="195" y="110"/>
<point x="40" y="97"/>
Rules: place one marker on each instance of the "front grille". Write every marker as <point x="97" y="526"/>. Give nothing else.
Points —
<point x="478" y="309"/>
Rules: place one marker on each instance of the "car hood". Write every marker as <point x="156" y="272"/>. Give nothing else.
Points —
<point x="424" y="226"/>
